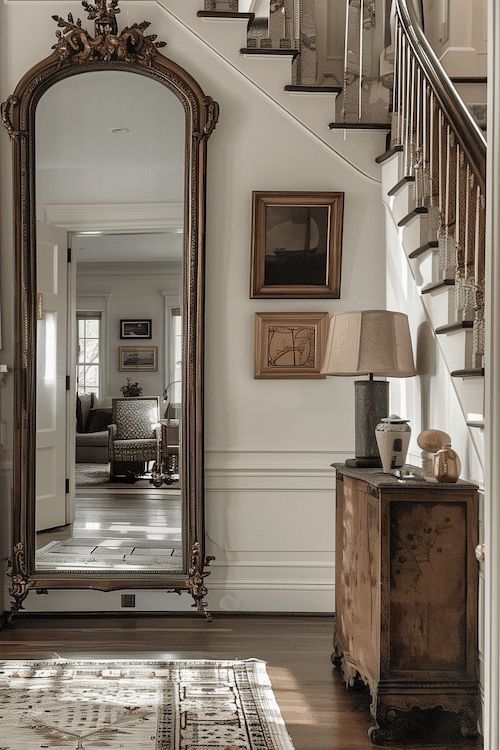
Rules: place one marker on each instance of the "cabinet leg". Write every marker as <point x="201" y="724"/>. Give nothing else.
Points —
<point x="468" y="723"/>
<point x="377" y="735"/>
<point x="336" y="660"/>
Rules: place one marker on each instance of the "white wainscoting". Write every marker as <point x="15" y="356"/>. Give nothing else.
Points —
<point x="270" y="521"/>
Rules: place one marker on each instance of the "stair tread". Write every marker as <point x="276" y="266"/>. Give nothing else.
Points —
<point x="475" y="372"/>
<point x="315" y="89"/>
<point x="435" y="285"/>
<point x="469" y="79"/>
<point x="359" y="126"/>
<point x="397" y="149"/>
<point x="402" y="182"/>
<point x="272" y="51"/>
<point x="459" y="325"/>
<point x="418" y="211"/>
<point x="431" y="245"/>
<point x="224" y="14"/>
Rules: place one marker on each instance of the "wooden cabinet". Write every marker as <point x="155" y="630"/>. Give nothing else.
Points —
<point x="406" y="599"/>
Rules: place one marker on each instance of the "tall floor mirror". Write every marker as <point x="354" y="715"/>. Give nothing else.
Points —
<point x="110" y="144"/>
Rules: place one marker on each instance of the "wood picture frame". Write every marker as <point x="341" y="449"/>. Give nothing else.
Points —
<point x="138" y="359"/>
<point x="296" y="244"/>
<point x="290" y="345"/>
<point x="136" y="328"/>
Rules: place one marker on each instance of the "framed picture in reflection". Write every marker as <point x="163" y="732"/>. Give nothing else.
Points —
<point x="138" y="359"/>
<point x="135" y="329"/>
<point x="296" y="245"/>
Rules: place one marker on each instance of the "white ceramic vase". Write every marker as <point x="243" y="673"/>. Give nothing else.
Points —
<point x="393" y="438"/>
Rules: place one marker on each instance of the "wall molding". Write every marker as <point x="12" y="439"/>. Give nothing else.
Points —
<point x="143" y="217"/>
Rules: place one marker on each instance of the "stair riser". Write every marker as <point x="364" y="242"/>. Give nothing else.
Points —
<point x="473" y="93"/>
<point x="441" y="306"/>
<point x="471" y="395"/>
<point x="402" y="202"/>
<point x="457" y="348"/>
<point x="390" y="175"/>
<point x="426" y="269"/>
<point x="416" y="233"/>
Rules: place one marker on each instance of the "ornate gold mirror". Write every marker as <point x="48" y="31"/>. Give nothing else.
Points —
<point x="110" y="149"/>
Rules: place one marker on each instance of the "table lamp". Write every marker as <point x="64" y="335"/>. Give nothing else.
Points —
<point x="369" y="342"/>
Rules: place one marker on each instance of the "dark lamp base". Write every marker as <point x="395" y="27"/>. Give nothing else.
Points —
<point x="364" y="463"/>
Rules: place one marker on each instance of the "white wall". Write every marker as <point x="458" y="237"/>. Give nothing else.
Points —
<point x="457" y="30"/>
<point x="129" y="291"/>
<point x="270" y="491"/>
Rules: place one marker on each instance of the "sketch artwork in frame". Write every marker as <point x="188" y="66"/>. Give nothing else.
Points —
<point x="290" y="345"/>
<point x="138" y="359"/>
<point x="136" y="329"/>
<point x="296" y="245"/>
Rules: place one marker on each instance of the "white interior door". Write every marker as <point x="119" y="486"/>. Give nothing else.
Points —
<point x="52" y="330"/>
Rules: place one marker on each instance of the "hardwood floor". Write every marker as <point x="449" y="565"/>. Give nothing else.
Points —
<point x="146" y="514"/>
<point x="319" y="713"/>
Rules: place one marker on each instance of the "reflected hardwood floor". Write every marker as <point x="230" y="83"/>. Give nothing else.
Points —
<point x="319" y="713"/>
<point x="148" y="515"/>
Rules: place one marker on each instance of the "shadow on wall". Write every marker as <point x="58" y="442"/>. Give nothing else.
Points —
<point x="426" y="369"/>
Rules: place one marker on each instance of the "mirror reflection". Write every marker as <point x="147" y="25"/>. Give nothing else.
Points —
<point x="110" y="149"/>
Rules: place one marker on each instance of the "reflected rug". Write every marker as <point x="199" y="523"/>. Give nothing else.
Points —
<point x="97" y="475"/>
<point x="139" y="705"/>
<point x="110" y="554"/>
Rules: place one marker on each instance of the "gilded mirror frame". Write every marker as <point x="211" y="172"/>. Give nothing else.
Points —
<point x="76" y="52"/>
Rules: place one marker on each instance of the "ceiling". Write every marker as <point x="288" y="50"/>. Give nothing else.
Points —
<point x="80" y="161"/>
<point x="126" y="248"/>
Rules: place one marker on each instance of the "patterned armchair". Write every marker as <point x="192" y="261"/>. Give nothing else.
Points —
<point x="133" y="435"/>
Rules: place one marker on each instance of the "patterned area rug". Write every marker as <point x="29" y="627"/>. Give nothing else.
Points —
<point x="108" y="554"/>
<point x="97" y="475"/>
<point x="137" y="705"/>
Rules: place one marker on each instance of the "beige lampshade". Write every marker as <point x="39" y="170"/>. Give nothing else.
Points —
<point x="369" y="341"/>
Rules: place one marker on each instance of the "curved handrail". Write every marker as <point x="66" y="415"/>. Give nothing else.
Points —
<point x="460" y="119"/>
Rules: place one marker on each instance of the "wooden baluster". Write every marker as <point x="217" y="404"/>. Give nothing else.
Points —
<point x="417" y="168"/>
<point x="413" y="109"/>
<point x="447" y="245"/>
<point x="346" y="57"/>
<point x="441" y="168"/>
<point x="361" y="51"/>
<point x="432" y="149"/>
<point x="479" y="274"/>
<point x="395" y="85"/>
<point x="460" y="295"/>
<point x="425" y="144"/>
<point x="400" y="86"/>
<point x="406" y="137"/>
<point x="470" y="239"/>
<point x="277" y="25"/>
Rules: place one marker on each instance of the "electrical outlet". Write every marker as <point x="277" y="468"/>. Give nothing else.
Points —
<point x="128" y="600"/>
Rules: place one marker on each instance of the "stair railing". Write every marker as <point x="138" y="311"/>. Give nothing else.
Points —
<point x="444" y="155"/>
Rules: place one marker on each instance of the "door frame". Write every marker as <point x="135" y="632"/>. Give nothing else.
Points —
<point x="492" y="396"/>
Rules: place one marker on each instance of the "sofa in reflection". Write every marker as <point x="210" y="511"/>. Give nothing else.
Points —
<point x="133" y="435"/>
<point x="92" y="422"/>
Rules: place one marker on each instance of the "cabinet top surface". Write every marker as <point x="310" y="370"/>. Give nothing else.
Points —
<point x="377" y="478"/>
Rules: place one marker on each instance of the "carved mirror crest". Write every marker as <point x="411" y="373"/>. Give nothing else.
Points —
<point x="146" y="453"/>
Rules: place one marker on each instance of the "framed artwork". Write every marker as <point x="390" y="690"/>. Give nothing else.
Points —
<point x="138" y="359"/>
<point x="290" y="345"/>
<point x="135" y="329"/>
<point x="296" y="245"/>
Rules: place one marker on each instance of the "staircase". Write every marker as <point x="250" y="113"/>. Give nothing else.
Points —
<point x="428" y="152"/>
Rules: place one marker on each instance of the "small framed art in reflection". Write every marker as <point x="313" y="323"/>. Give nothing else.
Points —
<point x="138" y="358"/>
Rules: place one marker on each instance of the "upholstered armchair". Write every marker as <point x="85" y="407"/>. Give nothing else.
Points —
<point x="133" y="435"/>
